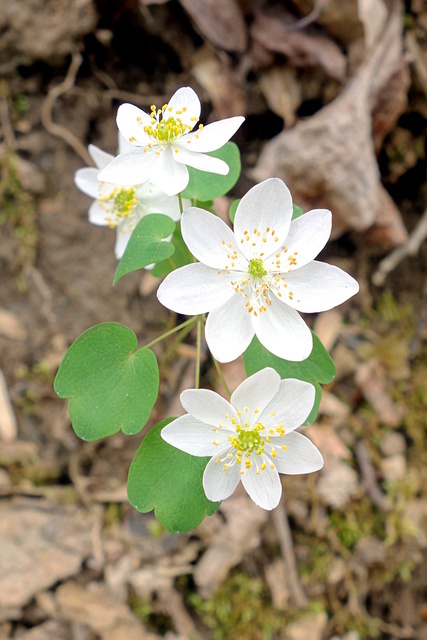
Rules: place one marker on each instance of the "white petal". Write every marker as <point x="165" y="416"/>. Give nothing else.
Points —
<point x="170" y="176"/>
<point x="319" y="286"/>
<point x="307" y="236"/>
<point x="209" y="407"/>
<point x="129" y="169"/>
<point x="131" y="122"/>
<point x="199" y="160"/>
<point x="194" y="437"/>
<point x="290" y="406"/>
<point x="210" y="240"/>
<point x="195" y="289"/>
<point x="122" y="238"/>
<point x="101" y="158"/>
<point x="154" y="200"/>
<point x="301" y="456"/>
<point x="229" y="329"/>
<point x="86" y="180"/>
<point x="185" y="100"/>
<point x="254" y="393"/>
<point x="283" y="332"/>
<point x="213" y="136"/>
<point x="218" y="483"/>
<point x="97" y="215"/>
<point x="264" y="487"/>
<point x="268" y="205"/>
<point x="124" y="145"/>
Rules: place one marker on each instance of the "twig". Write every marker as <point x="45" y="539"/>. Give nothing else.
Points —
<point x="369" y="480"/>
<point x="281" y="523"/>
<point x="304" y="22"/>
<point x="410" y="248"/>
<point x="56" y="129"/>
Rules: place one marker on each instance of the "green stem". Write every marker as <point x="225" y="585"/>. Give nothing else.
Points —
<point x="221" y="377"/>
<point x="181" y="208"/>
<point x="198" y="347"/>
<point x="192" y="320"/>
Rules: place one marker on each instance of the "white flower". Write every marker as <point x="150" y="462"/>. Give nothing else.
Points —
<point x="255" y="280"/>
<point x="252" y="438"/>
<point x="163" y="143"/>
<point x="119" y="207"/>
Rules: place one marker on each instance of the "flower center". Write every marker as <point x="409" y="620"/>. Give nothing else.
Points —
<point x="256" y="269"/>
<point x="165" y="129"/>
<point x="119" y="203"/>
<point x="249" y="441"/>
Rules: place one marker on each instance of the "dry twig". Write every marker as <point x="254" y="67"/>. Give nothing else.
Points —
<point x="56" y="129"/>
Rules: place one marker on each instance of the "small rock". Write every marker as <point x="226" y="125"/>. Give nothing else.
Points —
<point x="371" y="551"/>
<point x="310" y="626"/>
<point x="337" y="484"/>
<point x="393" y="468"/>
<point x="393" y="444"/>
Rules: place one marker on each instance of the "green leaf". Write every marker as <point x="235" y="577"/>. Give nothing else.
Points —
<point x="317" y="368"/>
<point x="180" y="258"/>
<point x="110" y="384"/>
<point x="147" y="244"/>
<point x="170" y="482"/>
<point x="233" y="209"/>
<point x="204" y="185"/>
<point x="297" y="212"/>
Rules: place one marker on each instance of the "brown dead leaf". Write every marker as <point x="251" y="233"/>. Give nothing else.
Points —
<point x="327" y="441"/>
<point x="11" y="326"/>
<point x="220" y="21"/>
<point x="303" y="48"/>
<point x="219" y="81"/>
<point x="329" y="159"/>
<point x="282" y="92"/>
<point x="370" y="379"/>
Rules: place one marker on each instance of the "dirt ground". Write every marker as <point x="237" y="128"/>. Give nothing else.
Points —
<point x="334" y="95"/>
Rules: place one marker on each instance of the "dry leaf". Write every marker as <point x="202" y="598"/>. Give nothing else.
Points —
<point x="220" y="21"/>
<point x="329" y="159"/>
<point x="302" y="48"/>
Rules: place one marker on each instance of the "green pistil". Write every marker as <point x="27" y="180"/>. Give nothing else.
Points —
<point x="248" y="441"/>
<point x="256" y="269"/>
<point x="119" y="203"/>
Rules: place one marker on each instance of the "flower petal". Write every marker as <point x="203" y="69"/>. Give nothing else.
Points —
<point x="283" y="332"/>
<point x="253" y="394"/>
<point x="213" y="136"/>
<point x="195" y="289"/>
<point x="209" y="239"/>
<point x="170" y="176"/>
<point x="290" y="406"/>
<point x="86" y="180"/>
<point x="122" y="238"/>
<point x="264" y="488"/>
<point x="101" y="158"/>
<point x="307" y="236"/>
<point x="185" y="100"/>
<point x="154" y="200"/>
<point x="220" y="483"/>
<point x="209" y="407"/>
<point x="192" y="436"/>
<point x="129" y="169"/>
<point x="229" y="329"/>
<point x="131" y="122"/>
<point x="319" y="286"/>
<point x="301" y="456"/>
<point x="199" y="160"/>
<point x="97" y="215"/>
<point x="268" y="205"/>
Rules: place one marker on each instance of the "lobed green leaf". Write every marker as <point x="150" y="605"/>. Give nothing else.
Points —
<point x="109" y="383"/>
<point x="317" y="368"/>
<point x="169" y="481"/>
<point x="205" y="186"/>
<point x="147" y="244"/>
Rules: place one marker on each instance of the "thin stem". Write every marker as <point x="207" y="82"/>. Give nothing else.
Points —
<point x="171" y="262"/>
<point x="198" y="346"/>
<point x="181" y="208"/>
<point x="283" y="530"/>
<point x="192" y="320"/>
<point x="221" y="377"/>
